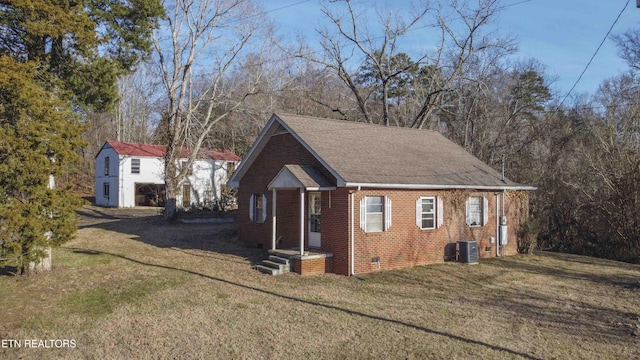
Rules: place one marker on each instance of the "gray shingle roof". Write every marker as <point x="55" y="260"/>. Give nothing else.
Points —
<point x="307" y="176"/>
<point x="372" y="154"/>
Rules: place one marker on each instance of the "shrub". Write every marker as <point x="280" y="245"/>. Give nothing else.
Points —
<point x="528" y="236"/>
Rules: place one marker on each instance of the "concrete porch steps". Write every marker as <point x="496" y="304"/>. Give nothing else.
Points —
<point x="275" y="265"/>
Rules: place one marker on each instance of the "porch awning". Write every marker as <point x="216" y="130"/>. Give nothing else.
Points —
<point x="307" y="177"/>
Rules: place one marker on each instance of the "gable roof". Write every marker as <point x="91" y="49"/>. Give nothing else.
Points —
<point x="135" y="149"/>
<point x="359" y="154"/>
<point x="306" y="176"/>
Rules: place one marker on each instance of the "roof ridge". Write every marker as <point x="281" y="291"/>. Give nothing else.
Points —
<point x="403" y="128"/>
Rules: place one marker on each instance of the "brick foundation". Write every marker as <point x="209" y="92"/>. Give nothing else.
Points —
<point x="318" y="264"/>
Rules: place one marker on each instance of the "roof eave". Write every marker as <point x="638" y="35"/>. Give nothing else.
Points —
<point x="440" y="187"/>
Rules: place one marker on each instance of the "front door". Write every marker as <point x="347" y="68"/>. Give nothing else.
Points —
<point x="315" y="207"/>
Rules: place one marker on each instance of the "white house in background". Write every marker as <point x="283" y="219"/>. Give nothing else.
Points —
<point x="129" y="174"/>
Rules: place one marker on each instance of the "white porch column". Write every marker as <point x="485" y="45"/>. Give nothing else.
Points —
<point x="273" y="219"/>
<point x="302" y="221"/>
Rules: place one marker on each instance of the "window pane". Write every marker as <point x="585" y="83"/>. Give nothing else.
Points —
<point x="374" y="204"/>
<point x="427" y="222"/>
<point x="374" y="222"/>
<point x="135" y="166"/>
<point x="475" y="210"/>
<point x="427" y="205"/>
<point x="258" y="208"/>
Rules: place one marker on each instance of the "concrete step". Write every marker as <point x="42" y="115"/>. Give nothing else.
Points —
<point x="276" y="265"/>
<point x="279" y="259"/>
<point x="268" y="270"/>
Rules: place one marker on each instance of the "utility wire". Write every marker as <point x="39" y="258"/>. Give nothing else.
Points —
<point x="594" y="54"/>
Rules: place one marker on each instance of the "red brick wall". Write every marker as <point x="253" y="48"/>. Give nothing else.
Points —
<point x="279" y="151"/>
<point x="313" y="266"/>
<point x="334" y="227"/>
<point x="405" y="244"/>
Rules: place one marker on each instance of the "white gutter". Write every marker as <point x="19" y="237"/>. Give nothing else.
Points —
<point x="439" y="187"/>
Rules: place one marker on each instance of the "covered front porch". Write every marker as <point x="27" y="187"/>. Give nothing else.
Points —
<point x="297" y="202"/>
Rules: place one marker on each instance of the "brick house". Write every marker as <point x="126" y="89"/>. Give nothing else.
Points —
<point x="353" y="198"/>
<point x="131" y="174"/>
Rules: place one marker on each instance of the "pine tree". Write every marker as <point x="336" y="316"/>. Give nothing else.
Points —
<point x="57" y="59"/>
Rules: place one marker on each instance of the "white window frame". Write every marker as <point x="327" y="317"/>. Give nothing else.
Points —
<point x="420" y="213"/>
<point x="386" y="214"/>
<point x="137" y="168"/>
<point x="256" y="214"/>
<point x="438" y="210"/>
<point x="477" y="216"/>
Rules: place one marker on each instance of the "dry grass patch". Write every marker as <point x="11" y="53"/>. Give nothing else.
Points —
<point x="131" y="286"/>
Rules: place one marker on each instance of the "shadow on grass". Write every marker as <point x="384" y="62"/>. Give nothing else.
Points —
<point x="326" y="306"/>
<point x="147" y="226"/>
<point x="625" y="281"/>
<point x="569" y="313"/>
<point x="560" y="306"/>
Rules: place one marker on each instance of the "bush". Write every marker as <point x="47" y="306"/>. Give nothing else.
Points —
<point x="528" y="236"/>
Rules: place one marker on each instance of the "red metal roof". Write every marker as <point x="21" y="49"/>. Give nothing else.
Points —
<point x="134" y="149"/>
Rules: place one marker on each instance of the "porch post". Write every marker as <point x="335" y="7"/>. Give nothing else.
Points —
<point x="273" y="219"/>
<point x="302" y="220"/>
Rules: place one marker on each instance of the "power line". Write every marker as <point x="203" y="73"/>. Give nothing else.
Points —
<point x="595" y="53"/>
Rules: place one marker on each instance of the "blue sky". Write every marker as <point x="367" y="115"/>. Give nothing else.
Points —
<point x="561" y="34"/>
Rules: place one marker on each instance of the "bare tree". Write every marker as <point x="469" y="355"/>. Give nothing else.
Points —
<point x="136" y="114"/>
<point x="349" y="41"/>
<point x="460" y="36"/>
<point x="197" y="47"/>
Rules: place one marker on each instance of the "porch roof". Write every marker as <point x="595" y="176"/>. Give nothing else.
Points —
<point x="307" y="177"/>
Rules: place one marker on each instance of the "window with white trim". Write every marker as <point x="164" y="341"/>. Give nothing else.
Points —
<point x="375" y="213"/>
<point x="477" y="211"/>
<point x="427" y="213"/>
<point x="135" y="166"/>
<point x="258" y="208"/>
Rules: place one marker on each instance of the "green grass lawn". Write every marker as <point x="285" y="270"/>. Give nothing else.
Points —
<point x="131" y="287"/>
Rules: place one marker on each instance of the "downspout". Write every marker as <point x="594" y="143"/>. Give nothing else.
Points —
<point x="352" y="239"/>
<point x="503" y="216"/>
<point x="121" y="184"/>
<point x="497" y="225"/>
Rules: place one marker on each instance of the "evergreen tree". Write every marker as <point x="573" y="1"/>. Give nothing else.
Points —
<point x="57" y="58"/>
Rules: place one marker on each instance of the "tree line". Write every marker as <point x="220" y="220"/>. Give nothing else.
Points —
<point x="196" y="73"/>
